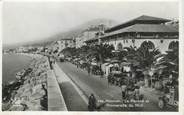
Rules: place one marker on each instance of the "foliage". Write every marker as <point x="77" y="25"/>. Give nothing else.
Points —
<point x="69" y="52"/>
<point x="100" y="52"/>
<point x="146" y="57"/>
<point x="171" y="63"/>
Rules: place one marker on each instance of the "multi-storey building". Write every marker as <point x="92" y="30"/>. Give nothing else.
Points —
<point x="90" y="33"/>
<point x="145" y="30"/>
<point x="64" y="43"/>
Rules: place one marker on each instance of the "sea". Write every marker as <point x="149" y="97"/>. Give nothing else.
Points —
<point x="11" y="64"/>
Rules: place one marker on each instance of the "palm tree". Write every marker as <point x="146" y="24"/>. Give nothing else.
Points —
<point x="100" y="52"/>
<point x="147" y="58"/>
<point x="170" y="61"/>
<point x="82" y="51"/>
<point x="69" y="51"/>
<point x="131" y="52"/>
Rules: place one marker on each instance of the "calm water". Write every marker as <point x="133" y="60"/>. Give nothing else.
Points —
<point x="12" y="63"/>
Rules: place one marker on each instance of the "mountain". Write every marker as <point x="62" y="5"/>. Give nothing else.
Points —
<point x="81" y="28"/>
<point x="78" y="30"/>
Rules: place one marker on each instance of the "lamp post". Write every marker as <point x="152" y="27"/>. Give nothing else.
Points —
<point x="151" y="74"/>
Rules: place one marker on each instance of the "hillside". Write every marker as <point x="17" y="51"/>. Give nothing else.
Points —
<point x="76" y="31"/>
<point x="72" y="33"/>
<point x="79" y="29"/>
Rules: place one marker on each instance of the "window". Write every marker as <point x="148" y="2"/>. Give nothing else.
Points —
<point x="166" y="36"/>
<point x="138" y="35"/>
<point x="156" y="36"/>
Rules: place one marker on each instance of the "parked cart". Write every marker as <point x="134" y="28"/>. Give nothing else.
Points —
<point x="169" y="99"/>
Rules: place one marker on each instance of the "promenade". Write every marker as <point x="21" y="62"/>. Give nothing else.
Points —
<point x="99" y="87"/>
<point x="74" y="99"/>
<point x="55" y="98"/>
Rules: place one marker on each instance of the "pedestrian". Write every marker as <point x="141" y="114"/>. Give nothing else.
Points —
<point x="88" y="70"/>
<point x="123" y="90"/>
<point x="108" y="78"/>
<point x="92" y="103"/>
<point x="54" y="60"/>
<point x="137" y="92"/>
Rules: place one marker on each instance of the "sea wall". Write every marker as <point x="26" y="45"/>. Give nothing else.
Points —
<point x="55" y="94"/>
<point x="29" y="91"/>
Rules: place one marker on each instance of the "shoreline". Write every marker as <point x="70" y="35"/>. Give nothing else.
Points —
<point x="29" y="91"/>
<point x="24" y="61"/>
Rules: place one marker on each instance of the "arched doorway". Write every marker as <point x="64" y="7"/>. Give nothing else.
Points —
<point x="148" y="44"/>
<point x="173" y="45"/>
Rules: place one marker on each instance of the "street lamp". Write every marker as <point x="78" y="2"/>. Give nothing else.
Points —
<point x="151" y="74"/>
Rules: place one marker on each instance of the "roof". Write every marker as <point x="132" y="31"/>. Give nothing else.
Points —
<point x="145" y="28"/>
<point x="144" y="18"/>
<point x="139" y="20"/>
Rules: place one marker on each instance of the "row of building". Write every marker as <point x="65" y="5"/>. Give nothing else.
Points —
<point x="154" y="32"/>
<point x="78" y="41"/>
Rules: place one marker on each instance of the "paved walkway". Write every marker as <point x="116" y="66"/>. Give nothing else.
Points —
<point x="74" y="98"/>
<point x="55" y="98"/>
<point x="93" y="84"/>
<point x="99" y="86"/>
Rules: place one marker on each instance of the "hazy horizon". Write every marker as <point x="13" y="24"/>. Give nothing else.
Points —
<point x="30" y="21"/>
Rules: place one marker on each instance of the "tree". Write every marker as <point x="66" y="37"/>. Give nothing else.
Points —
<point x="83" y="51"/>
<point x="100" y="52"/>
<point x="171" y="63"/>
<point x="69" y="51"/>
<point x="147" y="58"/>
<point x="131" y="53"/>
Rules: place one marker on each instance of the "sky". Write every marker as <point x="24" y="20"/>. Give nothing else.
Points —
<point x="31" y="21"/>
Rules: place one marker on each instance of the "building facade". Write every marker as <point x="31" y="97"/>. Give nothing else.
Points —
<point x="145" y="30"/>
<point x="89" y="34"/>
<point x="63" y="43"/>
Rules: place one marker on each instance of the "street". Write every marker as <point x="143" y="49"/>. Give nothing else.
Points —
<point x="102" y="91"/>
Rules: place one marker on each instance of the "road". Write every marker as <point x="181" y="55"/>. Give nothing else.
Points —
<point x="73" y="100"/>
<point x="100" y="88"/>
